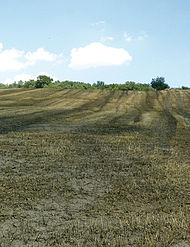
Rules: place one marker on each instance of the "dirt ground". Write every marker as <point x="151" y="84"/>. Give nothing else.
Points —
<point x="94" y="168"/>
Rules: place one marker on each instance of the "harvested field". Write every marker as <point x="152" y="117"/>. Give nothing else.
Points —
<point x="94" y="168"/>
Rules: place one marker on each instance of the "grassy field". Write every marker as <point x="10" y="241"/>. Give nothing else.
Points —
<point x="94" y="168"/>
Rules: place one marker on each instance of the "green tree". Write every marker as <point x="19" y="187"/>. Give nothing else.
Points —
<point x="185" y="88"/>
<point x="130" y="85"/>
<point x="100" y="84"/>
<point x="13" y="85"/>
<point x="29" y="84"/>
<point x="43" y="80"/>
<point x="2" y="85"/>
<point x="20" y="84"/>
<point x="159" y="83"/>
<point x="113" y="86"/>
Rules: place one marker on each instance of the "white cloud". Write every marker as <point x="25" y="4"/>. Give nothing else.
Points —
<point x="97" y="54"/>
<point x="10" y="60"/>
<point x="8" y="81"/>
<point x="26" y="77"/>
<point x="40" y="55"/>
<point x="20" y="77"/>
<point x="127" y="37"/>
<point x="47" y="74"/>
<point x="104" y="39"/>
<point x="13" y="59"/>
<point x="23" y="77"/>
<point x="142" y="37"/>
<point x="98" y="23"/>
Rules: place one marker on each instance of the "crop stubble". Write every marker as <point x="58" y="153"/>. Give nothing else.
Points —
<point x="94" y="168"/>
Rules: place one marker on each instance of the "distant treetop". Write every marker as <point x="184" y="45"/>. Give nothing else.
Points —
<point x="44" y="81"/>
<point x="159" y="83"/>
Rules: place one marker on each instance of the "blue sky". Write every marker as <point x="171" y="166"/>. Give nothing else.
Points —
<point x="91" y="40"/>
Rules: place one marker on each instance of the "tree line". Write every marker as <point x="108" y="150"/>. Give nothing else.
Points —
<point x="44" y="81"/>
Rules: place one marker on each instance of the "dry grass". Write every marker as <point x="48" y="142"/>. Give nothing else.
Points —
<point x="94" y="168"/>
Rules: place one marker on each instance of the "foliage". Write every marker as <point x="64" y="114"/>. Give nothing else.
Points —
<point x="29" y="84"/>
<point x="44" y="81"/>
<point x="185" y="88"/>
<point x="2" y="85"/>
<point x="100" y="84"/>
<point x="159" y="83"/>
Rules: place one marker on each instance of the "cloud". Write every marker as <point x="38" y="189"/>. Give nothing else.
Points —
<point x="26" y="77"/>
<point x="10" y="60"/>
<point x="127" y="37"/>
<point x="47" y="74"/>
<point x="20" y="77"/>
<point x="96" y="55"/>
<point x="142" y="37"/>
<point x="104" y="39"/>
<point x="23" y="77"/>
<point x="40" y="55"/>
<point x="13" y="59"/>
<point x="98" y="23"/>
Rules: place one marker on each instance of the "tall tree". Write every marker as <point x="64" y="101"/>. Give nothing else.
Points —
<point x="43" y="80"/>
<point x="159" y="83"/>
